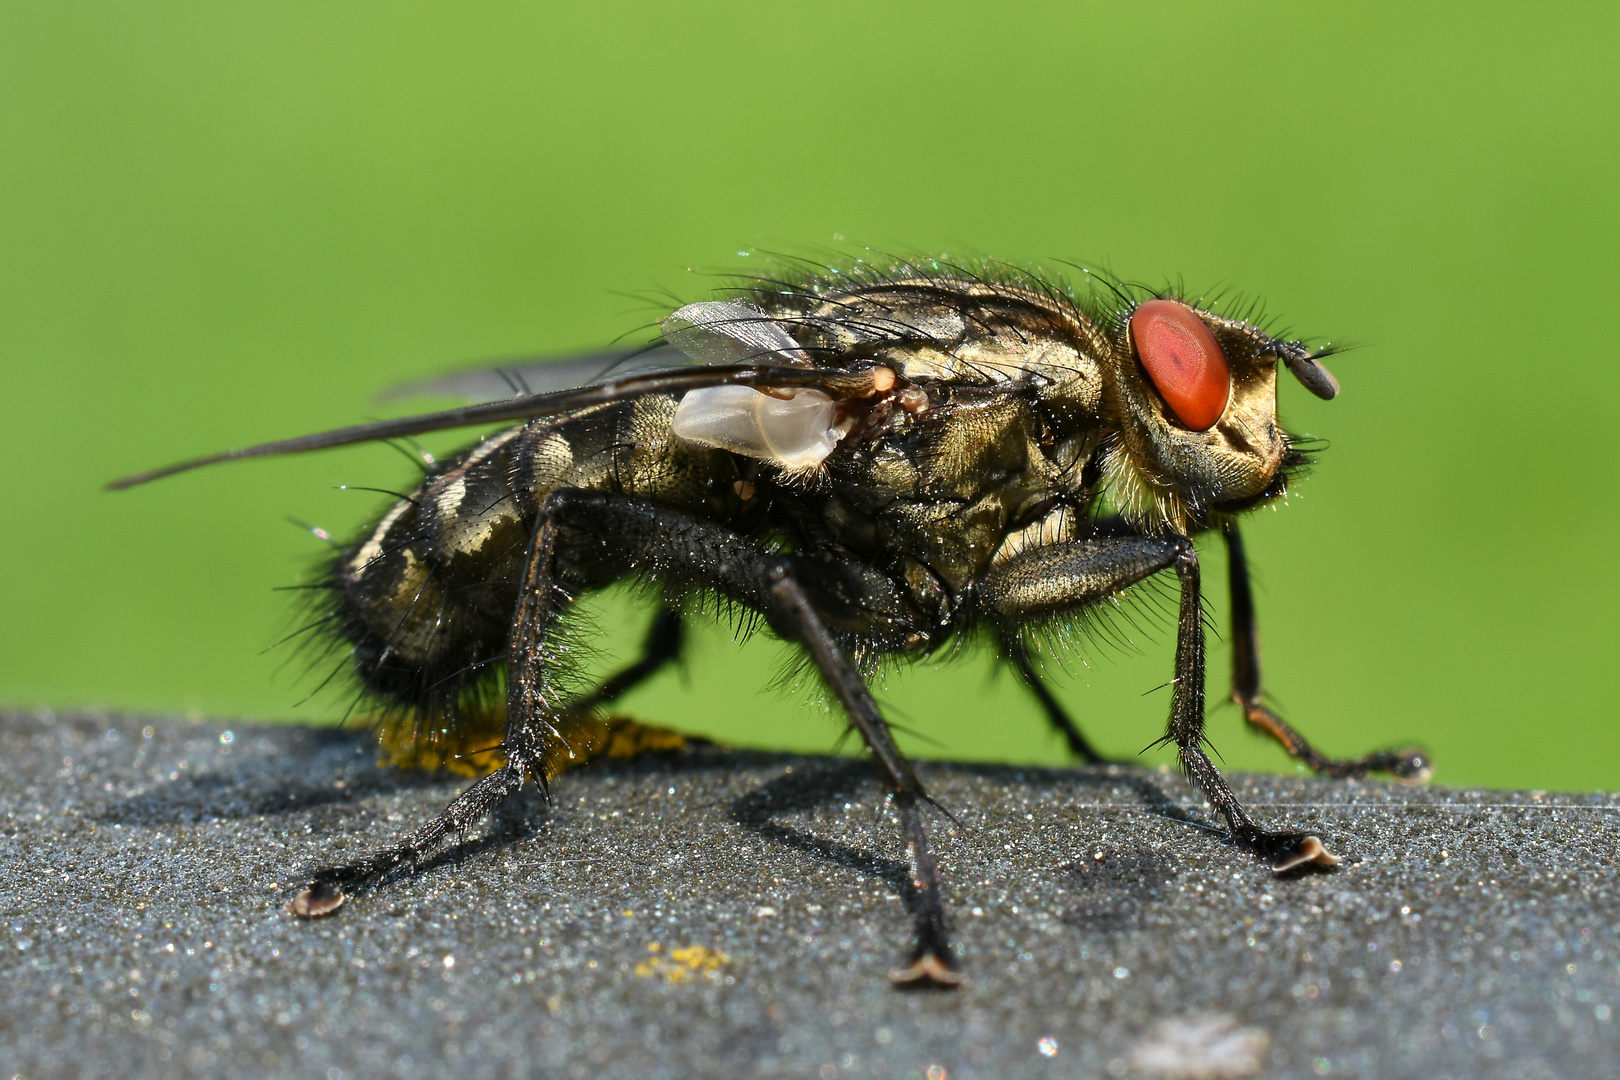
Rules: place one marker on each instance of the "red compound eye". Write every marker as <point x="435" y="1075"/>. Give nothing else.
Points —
<point x="1184" y="361"/>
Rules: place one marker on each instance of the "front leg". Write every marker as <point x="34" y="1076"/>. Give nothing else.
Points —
<point x="1049" y="583"/>
<point x="1409" y="764"/>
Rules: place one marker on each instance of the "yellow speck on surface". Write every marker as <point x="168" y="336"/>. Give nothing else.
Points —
<point x="686" y="964"/>
<point x="472" y="746"/>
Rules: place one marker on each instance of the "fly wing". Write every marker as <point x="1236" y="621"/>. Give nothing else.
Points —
<point x="732" y="332"/>
<point x="714" y="332"/>
<point x="833" y="382"/>
<point x="544" y="376"/>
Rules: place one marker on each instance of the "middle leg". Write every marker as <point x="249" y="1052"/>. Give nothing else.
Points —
<point x="1016" y="653"/>
<point x="932" y="961"/>
<point x="1061" y="579"/>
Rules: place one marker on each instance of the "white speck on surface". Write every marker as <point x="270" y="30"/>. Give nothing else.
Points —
<point x="1202" y="1046"/>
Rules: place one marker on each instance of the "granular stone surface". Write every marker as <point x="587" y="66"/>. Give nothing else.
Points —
<point x="726" y="914"/>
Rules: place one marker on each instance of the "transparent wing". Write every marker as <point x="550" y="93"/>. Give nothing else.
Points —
<point x="738" y="344"/>
<point x="543" y="376"/>
<point x="713" y="332"/>
<point x="796" y="430"/>
<point x="731" y="332"/>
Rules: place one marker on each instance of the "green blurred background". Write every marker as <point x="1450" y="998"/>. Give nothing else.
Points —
<point x="223" y="223"/>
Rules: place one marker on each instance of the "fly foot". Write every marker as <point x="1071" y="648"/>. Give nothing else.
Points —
<point x="929" y="969"/>
<point x="1410" y="766"/>
<point x="317" y="898"/>
<point x="1287" y="851"/>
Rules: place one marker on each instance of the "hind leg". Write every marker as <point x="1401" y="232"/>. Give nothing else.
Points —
<point x="662" y="646"/>
<point x="536" y="704"/>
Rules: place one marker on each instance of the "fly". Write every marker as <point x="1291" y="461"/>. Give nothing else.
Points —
<point x="872" y="462"/>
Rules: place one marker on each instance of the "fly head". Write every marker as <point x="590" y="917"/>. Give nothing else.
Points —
<point x="1194" y="401"/>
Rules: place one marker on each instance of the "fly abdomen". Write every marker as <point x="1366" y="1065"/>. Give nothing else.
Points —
<point x="426" y="596"/>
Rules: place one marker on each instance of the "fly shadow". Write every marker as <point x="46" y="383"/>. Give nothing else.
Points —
<point x="301" y="770"/>
<point x="1112" y="892"/>
<point x="320" y="775"/>
<point x="805" y="789"/>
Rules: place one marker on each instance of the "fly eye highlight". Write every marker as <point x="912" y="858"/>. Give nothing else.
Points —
<point x="1184" y="361"/>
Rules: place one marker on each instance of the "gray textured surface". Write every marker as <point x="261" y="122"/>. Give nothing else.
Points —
<point x="142" y="878"/>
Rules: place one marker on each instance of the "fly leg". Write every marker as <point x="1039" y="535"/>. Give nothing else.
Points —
<point x="806" y="600"/>
<point x="582" y="730"/>
<point x="819" y="604"/>
<point x="1050" y="582"/>
<point x="662" y="645"/>
<point x="324" y="893"/>
<point x="1409" y="764"/>
<point x="533" y="700"/>
<point x="932" y="962"/>
<point x="1017" y="655"/>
